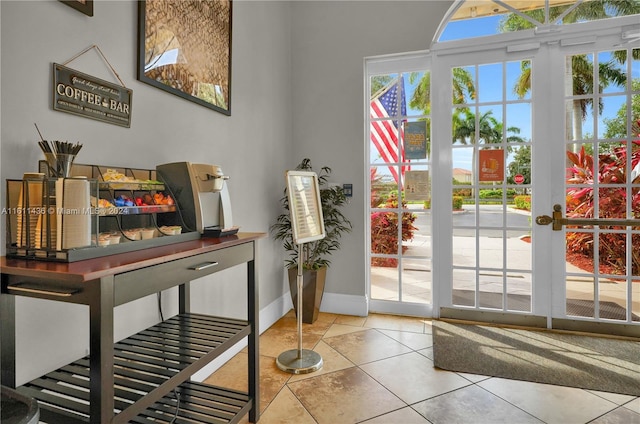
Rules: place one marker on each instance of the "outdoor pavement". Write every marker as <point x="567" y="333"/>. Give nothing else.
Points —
<point x="417" y="276"/>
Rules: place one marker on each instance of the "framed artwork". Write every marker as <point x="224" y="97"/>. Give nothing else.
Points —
<point x="184" y="48"/>
<point x="84" y="6"/>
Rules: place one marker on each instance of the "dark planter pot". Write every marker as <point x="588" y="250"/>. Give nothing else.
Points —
<point x="312" y="289"/>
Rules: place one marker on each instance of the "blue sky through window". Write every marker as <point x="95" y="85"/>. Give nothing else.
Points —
<point x="469" y="28"/>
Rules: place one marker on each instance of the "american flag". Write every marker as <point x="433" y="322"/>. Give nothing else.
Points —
<point x="384" y="133"/>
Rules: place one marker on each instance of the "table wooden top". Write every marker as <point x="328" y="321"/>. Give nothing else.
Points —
<point x="92" y="269"/>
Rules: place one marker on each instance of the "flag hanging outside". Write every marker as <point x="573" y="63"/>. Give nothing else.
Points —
<point x="384" y="133"/>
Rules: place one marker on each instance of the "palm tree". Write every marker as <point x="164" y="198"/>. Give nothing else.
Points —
<point x="463" y="89"/>
<point x="490" y="129"/>
<point x="579" y="68"/>
<point x="581" y="78"/>
<point x="464" y="127"/>
<point x="569" y="14"/>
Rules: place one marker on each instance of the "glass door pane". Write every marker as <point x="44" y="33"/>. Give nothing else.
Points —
<point x="602" y="180"/>
<point x="400" y="192"/>
<point x="492" y="186"/>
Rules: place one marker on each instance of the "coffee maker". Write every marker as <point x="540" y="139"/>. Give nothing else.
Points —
<point x="202" y="194"/>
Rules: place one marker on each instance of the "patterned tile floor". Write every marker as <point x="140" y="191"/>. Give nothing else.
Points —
<point x="379" y="370"/>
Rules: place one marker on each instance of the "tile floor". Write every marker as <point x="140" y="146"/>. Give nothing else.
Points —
<point x="379" y="370"/>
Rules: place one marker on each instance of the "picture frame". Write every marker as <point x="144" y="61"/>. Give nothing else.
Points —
<point x="84" y="6"/>
<point x="184" y="48"/>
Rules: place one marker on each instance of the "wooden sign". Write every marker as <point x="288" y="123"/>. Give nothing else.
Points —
<point x="81" y="94"/>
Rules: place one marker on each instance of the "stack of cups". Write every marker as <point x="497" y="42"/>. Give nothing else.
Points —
<point x="73" y="213"/>
<point x="30" y="205"/>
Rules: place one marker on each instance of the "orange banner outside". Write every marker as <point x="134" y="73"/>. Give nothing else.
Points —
<point x="491" y="165"/>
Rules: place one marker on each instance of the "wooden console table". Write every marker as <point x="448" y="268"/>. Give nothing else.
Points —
<point x="141" y="378"/>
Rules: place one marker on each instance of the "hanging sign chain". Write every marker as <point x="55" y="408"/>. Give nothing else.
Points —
<point x="103" y="58"/>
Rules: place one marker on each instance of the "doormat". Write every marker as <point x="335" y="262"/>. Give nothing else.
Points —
<point x="541" y="356"/>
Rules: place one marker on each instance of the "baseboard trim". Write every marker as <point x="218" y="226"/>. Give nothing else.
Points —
<point x="345" y="304"/>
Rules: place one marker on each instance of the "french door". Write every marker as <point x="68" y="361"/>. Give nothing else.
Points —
<point x="487" y="257"/>
<point x="528" y="126"/>
<point x="399" y="167"/>
<point x="601" y="169"/>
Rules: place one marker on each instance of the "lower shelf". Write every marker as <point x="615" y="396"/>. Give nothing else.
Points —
<point x="199" y="403"/>
<point x="148" y="366"/>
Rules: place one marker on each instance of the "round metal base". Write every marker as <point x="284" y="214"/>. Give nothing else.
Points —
<point x="291" y="362"/>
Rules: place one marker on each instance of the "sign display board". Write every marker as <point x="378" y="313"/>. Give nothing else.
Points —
<point x="415" y="140"/>
<point x="416" y="185"/>
<point x="303" y="191"/>
<point x="91" y="97"/>
<point x="491" y="165"/>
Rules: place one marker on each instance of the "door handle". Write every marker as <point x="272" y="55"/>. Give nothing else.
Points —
<point x="544" y="220"/>
<point x="558" y="221"/>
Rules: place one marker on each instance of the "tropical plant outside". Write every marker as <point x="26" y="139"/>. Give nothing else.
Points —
<point x="611" y="202"/>
<point x="581" y="201"/>
<point x="384" y="224"/>
<point x="580" y="68"/>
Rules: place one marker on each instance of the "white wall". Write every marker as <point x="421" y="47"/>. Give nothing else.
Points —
<point x="253" y="145"/>
<point x="297" y="91"/>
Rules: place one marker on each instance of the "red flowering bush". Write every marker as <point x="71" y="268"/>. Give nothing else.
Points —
<point x="384" y="231"/>
<point x="612" y="203"/>
<point x="384" y="224"/>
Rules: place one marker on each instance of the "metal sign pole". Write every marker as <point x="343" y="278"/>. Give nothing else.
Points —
<point x="300" y="285"/>
<point x="299" y="361"/>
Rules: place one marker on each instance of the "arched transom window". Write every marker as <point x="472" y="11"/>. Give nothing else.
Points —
<point x="477" y="18"/>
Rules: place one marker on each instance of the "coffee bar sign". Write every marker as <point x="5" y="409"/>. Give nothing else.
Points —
<point x="91" y="97"/>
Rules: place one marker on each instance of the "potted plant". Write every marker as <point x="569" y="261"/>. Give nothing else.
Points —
<point x="314" y="254"/>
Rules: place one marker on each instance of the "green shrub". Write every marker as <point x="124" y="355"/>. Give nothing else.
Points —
<point x="457" y="202"/>
<point x="522" y="202"/>
<point x="495" y="193"/>
<point x="462" y="192"/>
